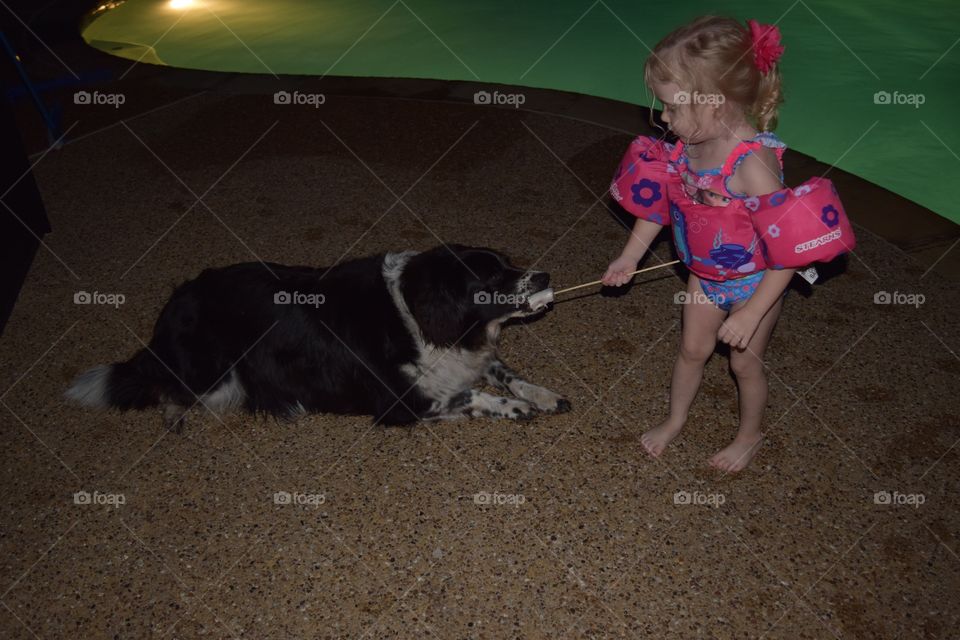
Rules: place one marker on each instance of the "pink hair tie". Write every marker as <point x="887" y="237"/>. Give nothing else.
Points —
<point x="765" y="42"/>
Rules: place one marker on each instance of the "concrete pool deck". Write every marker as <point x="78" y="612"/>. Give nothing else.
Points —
<point x="846" y="525"/>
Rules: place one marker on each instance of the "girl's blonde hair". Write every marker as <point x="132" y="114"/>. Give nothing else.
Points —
<point x="713" y="55"/>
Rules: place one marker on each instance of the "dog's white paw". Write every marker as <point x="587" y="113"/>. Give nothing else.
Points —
<point x="547" y="401"/>
<point x="519" y="409"/>
<point x="491" y="406"/>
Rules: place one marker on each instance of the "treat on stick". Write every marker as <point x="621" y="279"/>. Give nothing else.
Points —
<point x="541" y="299"/>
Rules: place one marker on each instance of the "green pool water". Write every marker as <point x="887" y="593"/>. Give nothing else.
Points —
<point x="843" y="59"/>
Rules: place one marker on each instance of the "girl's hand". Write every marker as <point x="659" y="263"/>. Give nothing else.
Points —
<point x="618" y="273"/>
<point x="739" y="327"/>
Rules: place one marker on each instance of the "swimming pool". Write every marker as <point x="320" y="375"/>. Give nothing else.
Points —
<point x="870" y="86"/>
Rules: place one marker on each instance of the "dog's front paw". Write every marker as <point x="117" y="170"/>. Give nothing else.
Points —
<point x="547" y="401"/>
<point x="519" y="410"/>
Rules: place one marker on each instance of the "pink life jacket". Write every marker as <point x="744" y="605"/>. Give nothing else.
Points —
<point x="737" y="235"/>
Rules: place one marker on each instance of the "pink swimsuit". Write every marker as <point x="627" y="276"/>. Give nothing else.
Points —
<point x="723" y="236"/>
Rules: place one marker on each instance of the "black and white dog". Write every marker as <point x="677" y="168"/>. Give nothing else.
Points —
<point x="402" y="337"/>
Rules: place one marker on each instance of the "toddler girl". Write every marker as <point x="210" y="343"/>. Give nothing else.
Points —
<point x="739" y="232"/>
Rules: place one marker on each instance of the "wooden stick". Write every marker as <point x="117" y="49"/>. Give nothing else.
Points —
<point x="590" y="284"/>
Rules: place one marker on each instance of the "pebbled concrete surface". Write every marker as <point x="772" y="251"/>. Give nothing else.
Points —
<point x="582" y="536"/>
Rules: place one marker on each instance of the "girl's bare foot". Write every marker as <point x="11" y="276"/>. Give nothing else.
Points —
<point x="656" y="440"/>
<point x="738" y="454"/>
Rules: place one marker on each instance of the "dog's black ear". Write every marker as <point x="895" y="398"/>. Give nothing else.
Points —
<point x="433" y="287"/>
<point x="439" y="314"/>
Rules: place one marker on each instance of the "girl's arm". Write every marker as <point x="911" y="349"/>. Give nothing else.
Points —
<point x="637" y="245"/>
<point x="739" y="327"/>
<point x="757" y="178"/>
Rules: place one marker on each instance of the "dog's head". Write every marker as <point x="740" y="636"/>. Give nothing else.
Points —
<point x="461" y="295"/>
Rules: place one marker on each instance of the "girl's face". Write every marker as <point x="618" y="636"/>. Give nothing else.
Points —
<point x="690" y="121"/>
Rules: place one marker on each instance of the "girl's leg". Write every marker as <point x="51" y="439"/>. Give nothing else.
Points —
<point x="701" y="322"/>
<point x="747" y="366"/>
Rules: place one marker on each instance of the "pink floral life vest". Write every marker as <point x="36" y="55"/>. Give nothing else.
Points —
<point x="722" y="235"/>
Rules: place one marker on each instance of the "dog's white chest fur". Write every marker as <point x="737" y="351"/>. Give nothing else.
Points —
<point x="443" y="373"/>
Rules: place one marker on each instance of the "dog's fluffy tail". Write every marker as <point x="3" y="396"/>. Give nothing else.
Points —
<point x="134" y="384"/>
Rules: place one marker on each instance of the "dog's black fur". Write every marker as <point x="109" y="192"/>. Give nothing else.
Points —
<point x="401" y="337"/>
